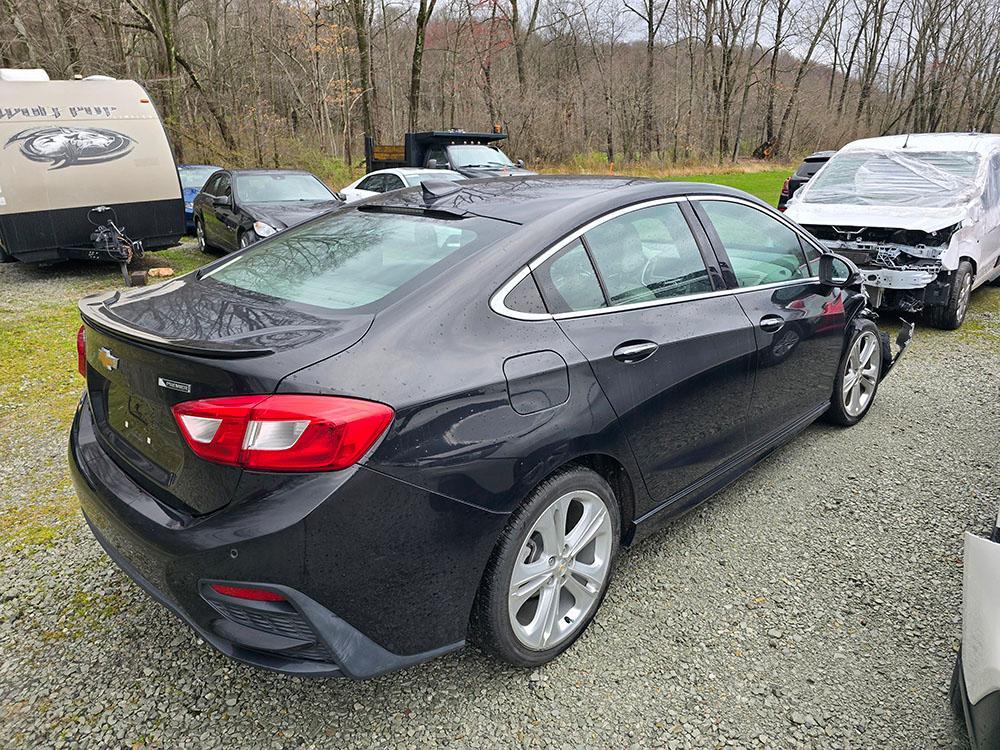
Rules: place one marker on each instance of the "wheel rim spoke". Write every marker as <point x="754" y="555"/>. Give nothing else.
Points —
<point x="560" y="573"/>
<point x="861" y="373"/>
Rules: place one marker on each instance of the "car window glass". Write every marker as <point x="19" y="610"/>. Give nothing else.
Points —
<point x="392" y="182"/>
<point x="812" y="256"/>
<point x="344" y="261"/>
<point x="372" y="183"/>
<point x="761" y="249"/>
<point x="648" y="254"/>
<point x="568" y="281"/>
<point x="438" y="155"/>
<point x="210" y="186"/>
<point x="525" y="297"/>
<point x="222" y="187"/>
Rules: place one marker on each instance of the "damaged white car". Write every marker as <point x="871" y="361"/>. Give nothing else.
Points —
<point x="975" y="685"/>
<point x="919" y="214"/>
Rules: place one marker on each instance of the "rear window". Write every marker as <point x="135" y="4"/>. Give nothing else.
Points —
<point x="349" y="260"/>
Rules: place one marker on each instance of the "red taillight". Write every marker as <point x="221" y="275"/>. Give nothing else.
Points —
<point x="284" y="432"/>
<point x="245" y="592"/>
<point x="785" y="186"/>
<point x="81" y="351"/>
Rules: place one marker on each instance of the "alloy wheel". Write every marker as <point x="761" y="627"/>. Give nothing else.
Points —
<point x="200" y="231"/>
<point x="861" y="373"/>
<point x="560" y="570"/>
<point x="963" y="298"/>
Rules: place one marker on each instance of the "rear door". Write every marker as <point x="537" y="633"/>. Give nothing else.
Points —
<point x="639" y="295"/>
<point x="799" y="324"/>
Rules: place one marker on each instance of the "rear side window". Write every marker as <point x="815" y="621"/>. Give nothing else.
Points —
<point x="392" y="182"/>
<point x="375" y="183"/>
<point x="349" y="260"/>
<point x="648" y="254"/>
<point x="761" y="249"/>
<point x="568" y="281"/>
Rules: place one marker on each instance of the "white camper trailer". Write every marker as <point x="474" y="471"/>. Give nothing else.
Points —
<point x="70" y="147"/>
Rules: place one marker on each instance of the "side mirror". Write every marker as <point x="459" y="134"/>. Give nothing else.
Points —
<point x="432" y="163"/>
<point x="836" y="270"/>
<point x="220" y="200"/>
<point x="519" y="164"/>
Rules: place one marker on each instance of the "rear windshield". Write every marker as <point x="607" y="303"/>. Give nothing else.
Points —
<point x="281" y="188"/>
<point x="348" y="260"/>
<point x="896" y="178"/>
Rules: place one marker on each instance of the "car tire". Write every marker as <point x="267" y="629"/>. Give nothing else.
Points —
<point x="858" y="375"/>
<point x="568" y="585"/>
<point x="6" y="257"/>
<point x="950" y="315"/>
<point x="199" y="232"/>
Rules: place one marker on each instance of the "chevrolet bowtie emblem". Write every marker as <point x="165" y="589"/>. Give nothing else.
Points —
<point x="106" y="358"/>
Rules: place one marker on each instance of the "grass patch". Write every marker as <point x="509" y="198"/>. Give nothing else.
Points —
<point x="84" y="613"/>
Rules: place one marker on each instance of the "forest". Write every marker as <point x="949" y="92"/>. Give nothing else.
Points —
<point x="579" y="83"/>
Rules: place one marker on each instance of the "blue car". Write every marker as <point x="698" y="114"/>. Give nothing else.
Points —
<point x="193" y="179"/>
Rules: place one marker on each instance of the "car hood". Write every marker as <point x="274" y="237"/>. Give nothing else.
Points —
<point x="493" y="171"/>
<point x="892" y="217"/>
<point x="281" y="215"/>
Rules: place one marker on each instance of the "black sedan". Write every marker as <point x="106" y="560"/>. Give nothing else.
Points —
<point x="435" y="417"/>
<point x="237" y="207"/>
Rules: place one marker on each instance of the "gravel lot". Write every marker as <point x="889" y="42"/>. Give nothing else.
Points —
<point x="813" y="604"/>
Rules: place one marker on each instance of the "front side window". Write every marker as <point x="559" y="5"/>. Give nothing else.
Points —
<point x="648" y="254"/>
<point x="568" y="281"/>
<point x="761" y="249"/>
<point x="348" y="260"/>
<point x="212" y="185"/>
<point x="266" y="187"/>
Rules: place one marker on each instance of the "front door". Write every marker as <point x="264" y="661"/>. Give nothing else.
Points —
<point x="799" y="324"/>
<point x="673" y="356"/>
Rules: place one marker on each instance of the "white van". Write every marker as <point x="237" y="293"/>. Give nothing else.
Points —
<point x="67" y="147"/>
<point x="919" y="213"/>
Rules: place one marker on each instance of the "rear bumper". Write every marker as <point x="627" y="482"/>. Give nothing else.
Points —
<point x="377" y="574"/>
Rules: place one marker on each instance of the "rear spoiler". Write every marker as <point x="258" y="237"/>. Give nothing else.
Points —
<point x="96" y="313"/>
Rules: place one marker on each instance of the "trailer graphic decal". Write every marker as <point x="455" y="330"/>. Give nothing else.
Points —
<point x="68" y="146"/>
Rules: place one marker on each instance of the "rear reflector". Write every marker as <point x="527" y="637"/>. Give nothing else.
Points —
<point x="81" y="351"/>
<point x="245" y="592"/>
<point x="284" y="432"/>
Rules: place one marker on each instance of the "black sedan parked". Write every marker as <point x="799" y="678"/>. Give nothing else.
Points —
<point x="237" y="207"/>
<point x="809" y="167"/>
<point x="436" y="416"/>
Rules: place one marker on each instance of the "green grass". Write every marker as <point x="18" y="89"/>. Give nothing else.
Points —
<point x="764" y="185"/>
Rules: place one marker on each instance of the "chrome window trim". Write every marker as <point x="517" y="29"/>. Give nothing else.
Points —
<point x="498" y="299"/>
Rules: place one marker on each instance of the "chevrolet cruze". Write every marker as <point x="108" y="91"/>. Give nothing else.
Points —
<point x="434" y="417"/>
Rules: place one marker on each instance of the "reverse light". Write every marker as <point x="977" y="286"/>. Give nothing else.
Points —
<point x="283" y="432"/>
<point x="246" y="592"/>
<point x="81" y="351"/>
<point x="263" y="230"/>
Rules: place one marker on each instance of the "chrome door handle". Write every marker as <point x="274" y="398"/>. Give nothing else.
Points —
<point x="771" y="323"/>
<point x="634" y="351"/>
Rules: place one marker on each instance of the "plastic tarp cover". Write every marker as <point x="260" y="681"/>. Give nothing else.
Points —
<point x="894" y="177"/>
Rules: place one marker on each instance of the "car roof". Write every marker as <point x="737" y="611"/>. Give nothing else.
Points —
<point x="408" y="171"/>
<point x="820" y="156"/>
<point x="983" y="143"/>
<point x="523" y="200"/>
<point x="198" y="166"/>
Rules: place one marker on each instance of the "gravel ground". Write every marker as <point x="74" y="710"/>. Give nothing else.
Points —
<point x="815" y="603"/>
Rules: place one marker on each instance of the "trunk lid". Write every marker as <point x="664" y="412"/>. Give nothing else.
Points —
<point x="191" y="339"/>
